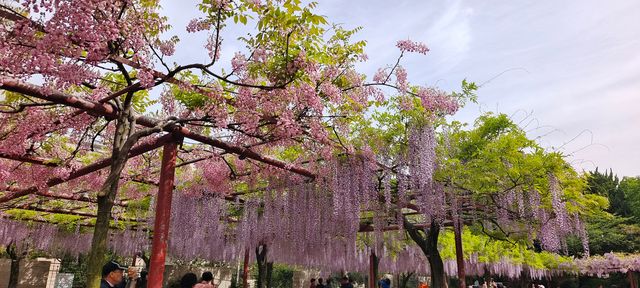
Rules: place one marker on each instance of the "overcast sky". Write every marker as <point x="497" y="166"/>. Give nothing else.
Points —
<point x="567" y="70"/>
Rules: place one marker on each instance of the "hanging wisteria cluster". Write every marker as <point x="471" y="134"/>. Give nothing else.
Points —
<point x="555" y="230"/>
<point x="603" y="266"/>
<point x="519" y="211"/>
<point x="57" y="241"/>
<point x="294" y="219"/>
<point x="507" y="268"/>
<point x="429" y="194"/>
<point x="195" y="229"/>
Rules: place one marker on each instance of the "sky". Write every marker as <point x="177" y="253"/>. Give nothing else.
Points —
<point x="566" y="71"/>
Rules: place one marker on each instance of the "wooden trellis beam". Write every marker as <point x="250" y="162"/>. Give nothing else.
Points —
<point x="140" y="149"/>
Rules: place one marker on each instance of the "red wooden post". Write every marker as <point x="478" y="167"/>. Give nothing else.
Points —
<point x="457" y="232"/>
<point x="245" y="270"/>
<point x="163" y="214"/>
<point x="372" y="270"/>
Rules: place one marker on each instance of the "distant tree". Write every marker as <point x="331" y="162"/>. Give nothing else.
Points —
<point x="619" y="229"/>
<point x="607" y="184"/>
<point x="629" y="188"/>
<point x="608" y="234"/>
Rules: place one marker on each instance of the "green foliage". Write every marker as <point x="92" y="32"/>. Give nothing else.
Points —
<point x="189" y="98"/>
<point x="619" y="229"/>
<point x="628" y="197"/>
<point x="493" y="251"/>
<point x="77" y="266"/>
<point x="613" y="233"/>
<point x="384" y="129"/>
<point x="496" y="156"/>
<point x="468" y="93"/>
<point x="281" y="275"/>
<point x="141" y="99"/>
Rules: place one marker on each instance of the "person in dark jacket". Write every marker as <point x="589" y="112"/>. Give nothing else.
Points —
<point x="188" y="280"/>
<point x="345" y="282"/>
<point x="142" y="281"/>
<point x="112" y="275"/>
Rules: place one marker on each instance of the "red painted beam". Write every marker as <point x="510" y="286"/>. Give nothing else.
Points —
<point x="163" y="215"/>
<point x="135" y="151"/>
<point x="109" y="112"/>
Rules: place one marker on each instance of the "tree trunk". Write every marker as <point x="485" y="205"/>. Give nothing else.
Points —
<point x="15" y="273"/>
<point x="269" y="273"/>
<point x="428" y="243"/>
<point x="99" y="242"/>
<point x="633" y="283"/>
<point x="261" y="258"/>
<point x="119" y="153"/>
<point x="405" y="279"/>
<point x="438" y="278"/>
<point x="15" y="257"/>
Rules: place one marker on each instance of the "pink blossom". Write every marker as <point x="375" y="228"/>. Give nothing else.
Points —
<point x="401" y="78"/>
<point x="239" y="62"/>
<point x="198" y="24"/>
<point x="167" y="48"/>
<point x="146" y="78"/>
<point x="411" y="46"/>
<point x="437" y="101"/>
<point x="380" y="76"/>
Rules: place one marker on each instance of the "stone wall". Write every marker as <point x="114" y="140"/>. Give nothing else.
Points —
<point x="33" y="274"/>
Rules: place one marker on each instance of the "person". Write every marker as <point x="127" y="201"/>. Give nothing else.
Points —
<point x="207" y="281"/>
<point x="112" y="275"/>
<point x="491" y="283"/>
<point x="320" y="283"/>
<point x="329" y="284"/>
<point x="142" y="280"/>
<point x="132" y="278"/>
<point x="345" y="282"/>
<point x="384" y="283"/>
<point x="313" y="283"/>
<point x="423" y="284"/>
<point x="189" y="280"/>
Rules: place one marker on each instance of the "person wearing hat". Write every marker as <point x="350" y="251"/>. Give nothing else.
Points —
<point x="112" y="275"/>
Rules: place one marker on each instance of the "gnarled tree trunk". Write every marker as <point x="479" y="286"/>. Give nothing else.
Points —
<point x="269" y="273"/>
<point x="123" y="141"/>
<point x="404" y="279"/>
<point x="428" y="243"/>
<point x="15" y="257"/>
<point x="261" y="258"/>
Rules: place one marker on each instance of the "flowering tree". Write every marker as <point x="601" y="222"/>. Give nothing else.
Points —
<point x="283" y="90"/>
<point x="291" y="93"/>
<point x="494" y="179"/>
